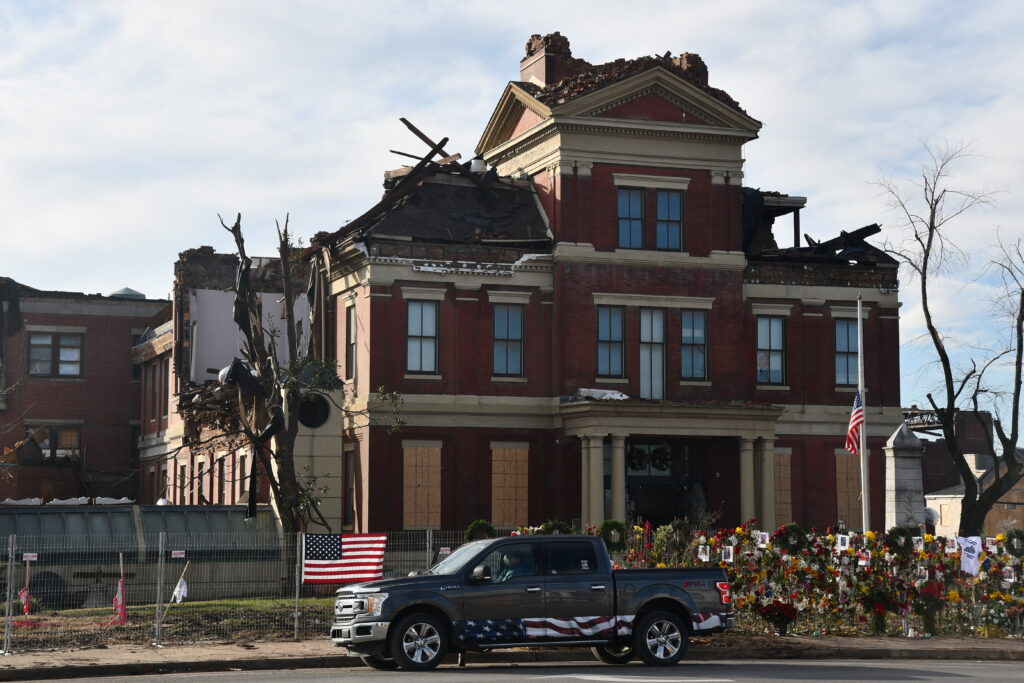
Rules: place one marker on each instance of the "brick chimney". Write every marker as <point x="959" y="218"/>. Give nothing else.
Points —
<point x="694" y="66"/>
<point x="548" y="60"/>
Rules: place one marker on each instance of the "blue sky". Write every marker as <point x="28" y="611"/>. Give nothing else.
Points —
<point x="125" y="127"/>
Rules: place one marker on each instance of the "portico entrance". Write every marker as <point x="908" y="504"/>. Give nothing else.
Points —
<point x="664" y="479"/>
<point x="628" y="474"/>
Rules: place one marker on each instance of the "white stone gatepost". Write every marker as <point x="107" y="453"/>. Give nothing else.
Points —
<point x="904" y="486"/>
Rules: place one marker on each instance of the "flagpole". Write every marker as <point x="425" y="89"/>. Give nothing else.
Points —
<point x="865" y="485"/>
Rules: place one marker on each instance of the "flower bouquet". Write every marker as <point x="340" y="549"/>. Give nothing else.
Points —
<point x="779" y="614"/>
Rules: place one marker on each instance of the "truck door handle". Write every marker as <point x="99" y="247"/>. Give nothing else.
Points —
<point x="597" y="586"/>
<point x="533" y="589"/>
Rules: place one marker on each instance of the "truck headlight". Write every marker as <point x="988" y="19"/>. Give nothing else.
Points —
<point x="375" y="603"/>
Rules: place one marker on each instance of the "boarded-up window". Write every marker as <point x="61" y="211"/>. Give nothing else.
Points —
<point x="510" y="470"/>
<point x="421" y="476"/>
<point x="783" y="486"/>
<point x="848" y="488"/>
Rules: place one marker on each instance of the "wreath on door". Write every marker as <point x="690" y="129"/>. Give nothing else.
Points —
<point x="661" y="459"/>
<point x="636" y="458"/>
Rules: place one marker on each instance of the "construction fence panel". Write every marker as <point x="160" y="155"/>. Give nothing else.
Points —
<point x="202" y="587"/>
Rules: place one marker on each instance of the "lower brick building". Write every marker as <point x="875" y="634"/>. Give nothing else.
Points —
<point x="69" y="392"/>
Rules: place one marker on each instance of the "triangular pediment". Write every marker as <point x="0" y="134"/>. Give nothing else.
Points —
<point x="515" y="110"/>
<point x="657" y="105"/>
<point x="659" y="90"/>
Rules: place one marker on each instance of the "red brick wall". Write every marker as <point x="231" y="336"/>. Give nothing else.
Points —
<point x="105" y="398"/>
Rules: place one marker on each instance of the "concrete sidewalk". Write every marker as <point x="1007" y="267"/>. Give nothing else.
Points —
<point x="122" y="660"/>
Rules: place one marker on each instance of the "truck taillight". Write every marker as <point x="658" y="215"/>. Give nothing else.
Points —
<point x="723" y="591"/>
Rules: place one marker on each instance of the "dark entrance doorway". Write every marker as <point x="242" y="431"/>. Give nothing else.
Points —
<point x="664" y="479"/>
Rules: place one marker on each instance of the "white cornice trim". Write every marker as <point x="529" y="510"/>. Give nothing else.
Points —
<point x="424" y="293"/>
<point x="884" y="298"/>
<point x="771" y="309"/>
<point x="849" y="311"/>
<point x="663" y="182"/>
<point x="652" y="300"/>
<point x="582" y="252"/>
<point x="508" y="297"/>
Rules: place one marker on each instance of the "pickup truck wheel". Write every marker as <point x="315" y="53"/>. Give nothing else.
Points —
<point x="615" y="653"/>
<point x="380" y="662"/>
<point x="419" y="642"/>
<point x="660" y="639"/>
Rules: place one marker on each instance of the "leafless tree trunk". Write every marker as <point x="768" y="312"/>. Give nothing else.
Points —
<point x="928" y="250"/>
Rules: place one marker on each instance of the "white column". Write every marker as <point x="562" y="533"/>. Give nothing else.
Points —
<point x="596" y="479"/>
<point x="746" y="479"/>
<point x="767" y="517"/>
<point x="618" y="510"/>
<point x="584" y="479"/>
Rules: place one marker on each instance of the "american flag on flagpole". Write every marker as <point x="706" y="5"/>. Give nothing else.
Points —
<point x="343" y="558"/>
<point x="856" y="422"/>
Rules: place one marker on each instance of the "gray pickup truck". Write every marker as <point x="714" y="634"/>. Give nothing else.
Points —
<point x="530" y="591"/>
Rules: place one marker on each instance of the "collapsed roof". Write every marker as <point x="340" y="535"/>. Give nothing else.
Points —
<point x="451" y="204"/>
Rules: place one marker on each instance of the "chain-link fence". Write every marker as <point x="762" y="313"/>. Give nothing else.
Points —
<point x="165" y="588"/>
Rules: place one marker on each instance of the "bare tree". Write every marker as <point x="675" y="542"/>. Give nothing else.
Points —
<point x="927" y="212"/>
<point x="270" y="385"/>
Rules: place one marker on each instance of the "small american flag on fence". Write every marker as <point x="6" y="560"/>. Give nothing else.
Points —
<point x="342" y="558"/>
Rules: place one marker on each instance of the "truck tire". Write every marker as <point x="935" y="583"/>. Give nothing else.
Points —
<point x="380" y="662"/>
<point x="619" y="652"/>
<point x="419" y="641"/>
<point x="660" y="639"/>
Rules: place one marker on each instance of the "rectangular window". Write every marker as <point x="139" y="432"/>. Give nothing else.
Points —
<point x="422" y="339"/>
<point x="609" y="341"/>
<point x="349" y="487"/>
<point x="55" y="355"/>
<point x="508" y="339"/>
<point x="631" y="218"/>
<point x="182" y="484"/>
<point x="60" y="441"/>
<point x="846" y="352"/>
<point x="153" y="394"/>
<point x="771" y="349"/>
<point x="669" y="228"/>
<point x="165" y="379"/>
<point x="350" y="342"/>
<point x="694" y="345"/>
<point x="243" y="476"/>
<point x="652" y="353"/>
<point x="221" y="480"/>
<point x="570" y="558"/>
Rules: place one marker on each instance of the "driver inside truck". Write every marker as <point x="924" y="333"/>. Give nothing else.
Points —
<point x="512" y="565"/>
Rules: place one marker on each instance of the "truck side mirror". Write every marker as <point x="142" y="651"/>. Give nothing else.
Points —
<point x="481" y="573"/>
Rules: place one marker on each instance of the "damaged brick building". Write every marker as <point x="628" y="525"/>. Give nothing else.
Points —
<point x="69" y="392"/>
<point x="603" y="324"/>
<point x="191" y="450"/>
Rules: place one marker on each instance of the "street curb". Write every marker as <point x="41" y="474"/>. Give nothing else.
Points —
<point x="341" y="661"/>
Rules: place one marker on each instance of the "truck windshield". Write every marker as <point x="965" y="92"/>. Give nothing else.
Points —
<point x="456" y="562"/>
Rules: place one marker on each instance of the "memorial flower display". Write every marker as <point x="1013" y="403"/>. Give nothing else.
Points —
<point x="831" y="582"/>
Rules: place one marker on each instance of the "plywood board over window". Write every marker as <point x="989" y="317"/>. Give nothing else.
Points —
<point x="421" y="488"/>
<point x="510" y="477"/>
<point x="848" y="488"/>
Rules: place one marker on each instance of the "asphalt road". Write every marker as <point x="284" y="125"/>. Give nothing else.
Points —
<point x="687" y="672"/>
